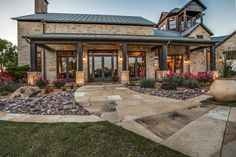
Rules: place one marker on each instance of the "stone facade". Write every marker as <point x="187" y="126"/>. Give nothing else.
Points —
<point x="98" y="29"/>
<point x="41" y="6"/>
<point x="198" y="59"/>
<point x="24" y="29"/>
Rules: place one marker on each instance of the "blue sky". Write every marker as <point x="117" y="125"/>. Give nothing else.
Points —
<point x="220" y="16"/>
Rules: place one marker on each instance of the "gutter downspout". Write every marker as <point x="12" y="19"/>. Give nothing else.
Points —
<point x="44" y="53"/>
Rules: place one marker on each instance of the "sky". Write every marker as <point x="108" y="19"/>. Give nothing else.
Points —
<point x="220" y="16"/>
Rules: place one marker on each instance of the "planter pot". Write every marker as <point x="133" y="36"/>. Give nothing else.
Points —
<point x="224" y="89"/>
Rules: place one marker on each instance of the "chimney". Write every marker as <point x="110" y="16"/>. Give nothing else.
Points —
<point x="41" y="6"/>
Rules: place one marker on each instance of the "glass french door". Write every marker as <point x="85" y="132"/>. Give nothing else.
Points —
<point x="102" y="66"/>
<point x="175" y="63"/>
<point x="137" y="65"/>
<point x="67" y="68"/>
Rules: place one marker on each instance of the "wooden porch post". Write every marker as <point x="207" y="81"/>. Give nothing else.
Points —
<point x="213" y="58"/>
<point x="33" y="57"/>
<point x="80" y="57"/>
<point x="163" y="58"/>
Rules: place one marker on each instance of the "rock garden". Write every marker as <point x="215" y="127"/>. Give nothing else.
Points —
<point x="181" y="86"/>
<point x="41" y="99"/>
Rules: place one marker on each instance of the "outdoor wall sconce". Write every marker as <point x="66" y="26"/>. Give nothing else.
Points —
<point x="121" y="58"/>
<point x="187" y="62"/>
<point x="84" y="58"/>
<point x="220" y="59"/>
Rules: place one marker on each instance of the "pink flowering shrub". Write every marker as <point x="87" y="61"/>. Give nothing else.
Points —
<point x="7" y="84"/>
<point x="188" y="79"/>
<point x="59" y="83"/>
<point x="40" y="82"/>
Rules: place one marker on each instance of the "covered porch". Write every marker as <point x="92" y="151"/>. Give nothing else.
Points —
<point x="89" y="58"/>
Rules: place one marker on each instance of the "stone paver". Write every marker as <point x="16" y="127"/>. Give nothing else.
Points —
<point x="201" y="138"/>
<point x="49" y="118"/>
<point x="110" y="116"/>
<point x="229" y="145"/>
<point x="140" y="130"/>
<point x="2" y="114"/>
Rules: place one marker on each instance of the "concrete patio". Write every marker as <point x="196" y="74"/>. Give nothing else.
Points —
<point x="187" y="126"/>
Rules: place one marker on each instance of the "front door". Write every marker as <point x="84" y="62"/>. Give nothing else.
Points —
<point x="103" y="66"/>
<point x="136" y="65"/>
<point x="67" y="68"/>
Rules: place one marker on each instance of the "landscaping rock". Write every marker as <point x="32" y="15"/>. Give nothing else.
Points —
<point x="42" y="104"/>
<point x="158" y="85"/>
<point x="26" y="91"/>
<point x="180" y="93"/>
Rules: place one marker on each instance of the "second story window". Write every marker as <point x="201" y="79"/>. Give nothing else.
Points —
<point x="172" y="23"/>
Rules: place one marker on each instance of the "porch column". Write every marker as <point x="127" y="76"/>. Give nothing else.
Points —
<point x="80" y="74"/>
<point x="125" y="72"/>
<point x="33" y="65"/>
<point x="80" y="57"/>
<point x="163" y="58"/>
<point x="124" y="56"/>
<point x="163" y="52"/>
<point x="33" y="57"/>
<point x="213" y="58"/>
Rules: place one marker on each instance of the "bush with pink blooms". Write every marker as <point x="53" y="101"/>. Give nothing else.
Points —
<point x="40" y="82"/>
<point x="59" y="83"/>
<point x="189" y="80"/>
<point x="7" y="84"/>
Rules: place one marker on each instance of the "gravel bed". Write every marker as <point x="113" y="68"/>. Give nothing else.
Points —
<point x="180" y="93"/>
<point x="62" y="103"/>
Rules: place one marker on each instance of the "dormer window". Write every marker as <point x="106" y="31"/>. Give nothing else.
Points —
<point x="172" y="23"/>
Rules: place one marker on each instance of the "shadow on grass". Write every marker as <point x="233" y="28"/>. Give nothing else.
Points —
<point x="213" y="101"/>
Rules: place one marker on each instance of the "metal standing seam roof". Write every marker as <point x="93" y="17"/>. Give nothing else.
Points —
<point x="112" y="37"/>
<point x="87" y="19"/>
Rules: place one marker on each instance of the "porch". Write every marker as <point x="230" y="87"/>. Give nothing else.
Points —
<point x="83" y="59"/>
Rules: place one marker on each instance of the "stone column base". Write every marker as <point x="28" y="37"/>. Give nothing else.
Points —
<point x="161" y="74"/>
<point x="124" y="77"/>
<point x="80" y="77"/>
<point x="31" y="77"/>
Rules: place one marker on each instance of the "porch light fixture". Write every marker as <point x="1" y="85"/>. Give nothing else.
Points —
<point x="220" y="59"/>
<point x="187" y="61"/>
<point x="84" y="58"/>
<point x="121" y="58"/>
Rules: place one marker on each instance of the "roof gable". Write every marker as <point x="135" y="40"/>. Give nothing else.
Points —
<point x="194" y="5"/>
<point x="227" y="38"/>
<point x="191" y="29"/>
<point x="87" y="19"/>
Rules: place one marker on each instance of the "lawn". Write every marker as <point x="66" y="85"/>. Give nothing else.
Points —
<point x="72" y="139"/>
<point x="213" y="101"/>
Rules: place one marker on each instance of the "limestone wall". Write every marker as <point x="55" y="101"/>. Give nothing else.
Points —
<point x="24" y="29"/>
<point x="98" y="29"/>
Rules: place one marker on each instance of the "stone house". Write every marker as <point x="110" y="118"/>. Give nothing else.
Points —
<point x="85" y="47"/>
<point x="226" y="47"/>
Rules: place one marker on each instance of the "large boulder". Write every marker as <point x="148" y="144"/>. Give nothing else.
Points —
<point x="157" y="85"/>
<point x="26" y="91"/>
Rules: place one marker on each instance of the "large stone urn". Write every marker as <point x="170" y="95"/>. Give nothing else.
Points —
<point x="224" y="89"/>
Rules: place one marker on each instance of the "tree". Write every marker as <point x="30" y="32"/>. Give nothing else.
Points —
<point x="8" y="54"/>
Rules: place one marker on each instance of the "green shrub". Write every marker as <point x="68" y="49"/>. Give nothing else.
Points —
<point x="174" y="79"/>
<point x="148" y="83"/>
<point x="227" y="69"/>
<point x="18" y="72"/>
<point x="10" y="87"/>
<point x="191" y="83"/>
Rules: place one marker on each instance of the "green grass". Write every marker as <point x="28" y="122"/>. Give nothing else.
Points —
<point x="71" y="139"/>
<point x="213" y="101"/>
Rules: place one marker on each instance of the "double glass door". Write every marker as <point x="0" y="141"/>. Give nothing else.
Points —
<point x="103" y="66"/>
<point x="137" y="65"/>
<point x="67" y="68"/>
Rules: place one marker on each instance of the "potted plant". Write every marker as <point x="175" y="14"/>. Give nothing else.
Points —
<point x="224" y="88"/>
